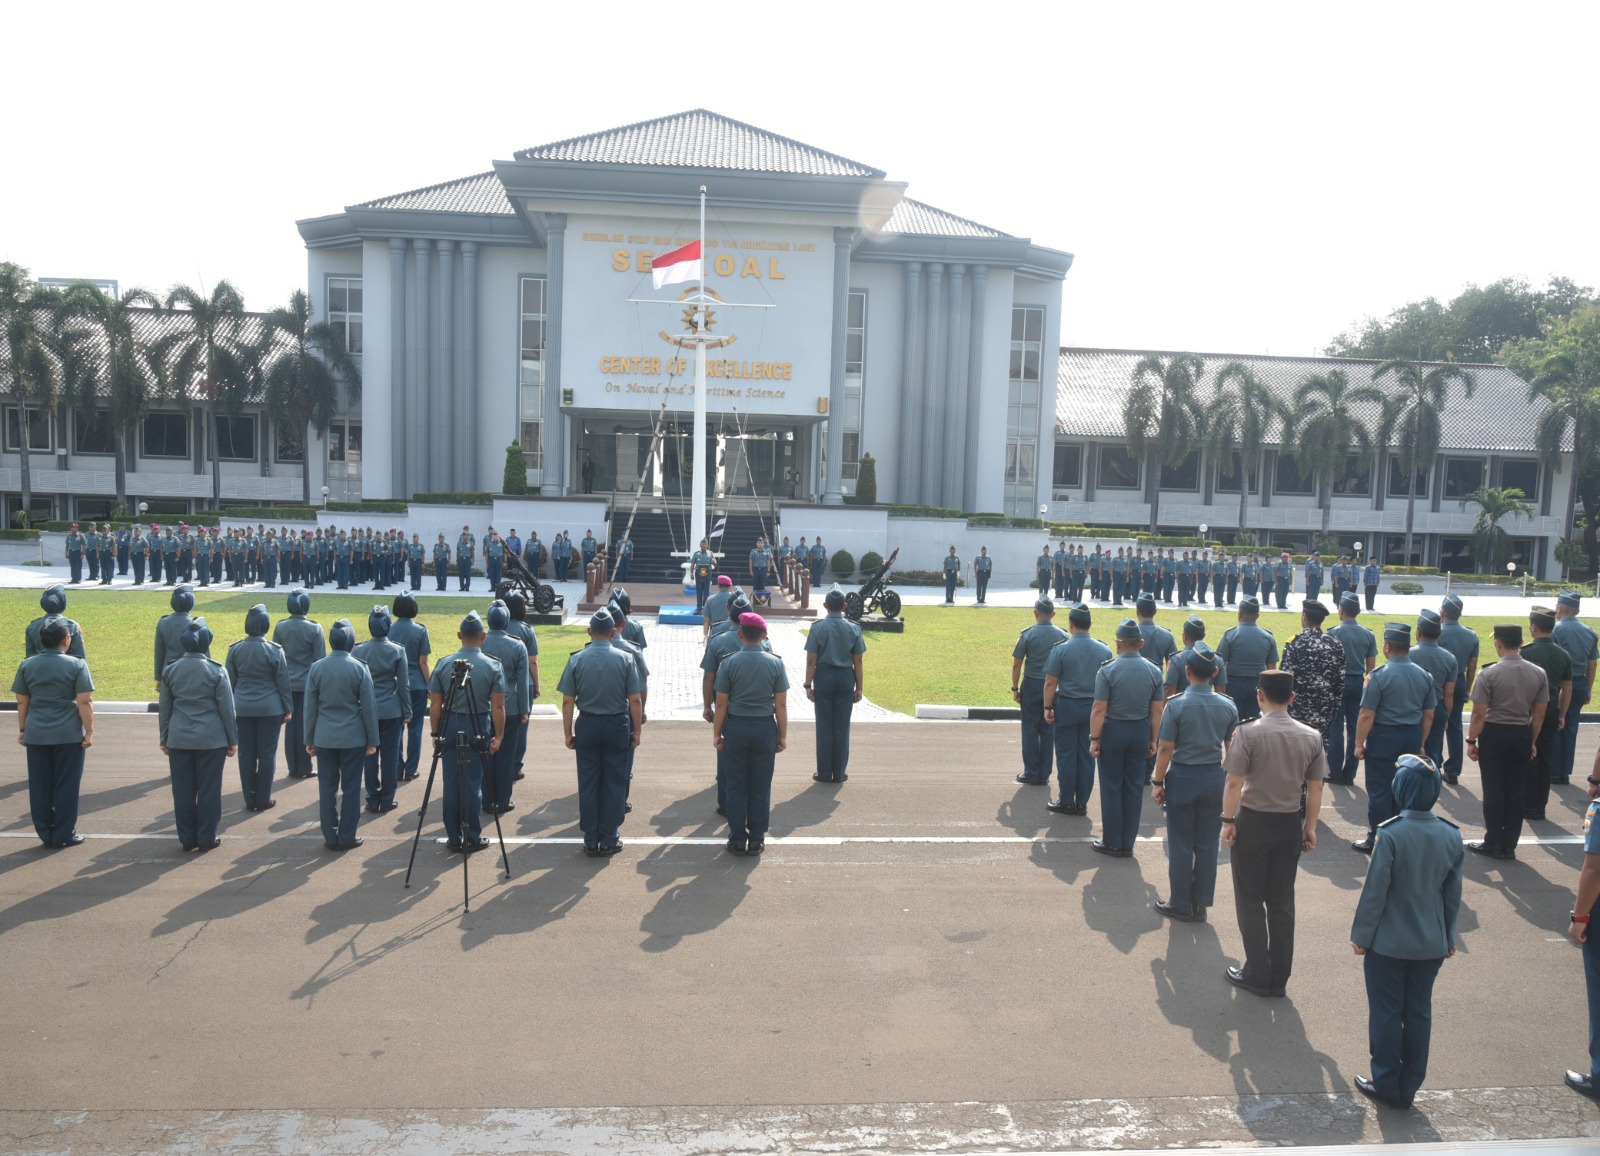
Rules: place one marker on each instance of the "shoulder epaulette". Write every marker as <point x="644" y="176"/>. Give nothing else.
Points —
<point x="1386" y="822"/>
<point x="1446" y="822"/>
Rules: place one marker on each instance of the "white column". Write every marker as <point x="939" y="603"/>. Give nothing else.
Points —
<point x="974" y="418"/>
<point x="467" y="383"/>
<point x="932" y="392"/>
<point x="457" y="410"/>
<point x="833" y="488"/>
<point x="430" y="402"/>
<point x="955" y="374"/>
<point x="403" y="427"/>
<point x="909" y="454"/>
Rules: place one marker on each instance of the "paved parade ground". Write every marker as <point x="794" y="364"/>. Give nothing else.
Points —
<point x="924" y="959"/>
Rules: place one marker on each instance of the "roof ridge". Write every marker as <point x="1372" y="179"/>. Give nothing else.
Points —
<point x="956" y="216"/>
<point x="1269" y="356"/>
<point x="422" y="189"/>
<point x="525" y="153"/>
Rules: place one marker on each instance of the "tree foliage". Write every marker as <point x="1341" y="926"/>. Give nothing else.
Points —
<point x="1163" y="417"/>
<point x="123" y="377"/>
<point x="1491" y="543"/>
<point x="1240" y="417"/>
<point x="1564" y="370"/>
<point x="1327" y="430"/>
<point x="1412" y="419"/>
<point x="515" y="478"/>
<point x="867" y="481"/>
<point x="1473" y="327"/>
<point x="303" y="374"/>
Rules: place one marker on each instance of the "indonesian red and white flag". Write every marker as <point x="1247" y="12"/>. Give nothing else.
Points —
<point x="676" y="267"/>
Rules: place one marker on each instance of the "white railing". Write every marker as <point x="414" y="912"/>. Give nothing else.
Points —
<point x="154" y="485"/>
<point x="1225" y="516"/>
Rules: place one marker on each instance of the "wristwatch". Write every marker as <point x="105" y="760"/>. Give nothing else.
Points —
<point x="1576" y="918"/>
<point x="1229" y="820"/>
<point x="1592" y="781"/>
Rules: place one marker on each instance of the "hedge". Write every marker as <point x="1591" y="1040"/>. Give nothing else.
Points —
<point x="19" y="535"/>
<point x="273" y="513"/>
<point x="925" y="512"/>
<point x="454" y="499"/>
<point x="1003" y="520"/>
<point x="918" y="578"/>
<point x="373" y="507"/>
<point x="208" y="518"/>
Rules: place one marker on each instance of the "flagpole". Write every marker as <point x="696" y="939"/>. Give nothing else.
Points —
<point x="697" y="504"/>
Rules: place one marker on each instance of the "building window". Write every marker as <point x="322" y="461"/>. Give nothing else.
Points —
<point x="41" y="431"/>
<point x="1288" y="478"/>
<point x="1455" y="554"/>
<point x="1228" y="483"/>
<point x="92" y="432"/>
<point x="1022" y="412"/>
<point x="1462" y="476"/>
<point x="530" y="379"/>
<point x="344" y="442"/>
<point x="291" y="445"/>
<point x="1068" y="470"/>
<point x="855" y="360"/>
<point x="344" y="310"/>
<point x="1397" y="480"/>
<point x="166" y="435"/>
<point x="236" y="438"/>
<point x="1183" y="476"/>
<point x="1119" y="470"/>
<point x="1355" y="480"/>
<point x="1521" y="475"/>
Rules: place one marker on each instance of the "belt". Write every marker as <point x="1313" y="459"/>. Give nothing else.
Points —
<point x="591" y="714"/>
<point x="754" y="717"/>
<point x="1509" y="726"/>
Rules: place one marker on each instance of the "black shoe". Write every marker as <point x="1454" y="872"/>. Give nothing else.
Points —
<point x="407" y="778"/>
<point x="1236" y="977"/>
<point x="516" y="778"/>
<point x="1061" y="808"/>
<point x="374" y="808"/>
<point x="814" y="778"/>
<point x="478" y="844"/>
<point x="353" y="844"/>
<point x="737" y="848"/>
<point x="1171" y="912"/>
<point x="1478" y="847"/>
<point x="1023" y="779"/>
<point x="1370" y="1091"/>
<point x="1584" y="1085"/>
<point x="211" y="846"/>
<point x="1539" y="818"/>
<point x="724" y="814"/>
<point x="1100" y="846"/>
<point x="187" y="847"/>
<point x="71" y="840"/>
<point x="756" y="847"/>
<point x="267" y="806"/>
<point x="385" y="808"/>
<point x="627" y="808"/>
<point x="1363" y="845"/>
<point x="1452" y="780"/>
<point x="605" y="848"/>
<point x="590" y="849"/>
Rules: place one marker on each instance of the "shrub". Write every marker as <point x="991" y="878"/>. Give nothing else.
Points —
<point x="843" y="564"/>
<point x="515" y="480"/>
<point x="925" y="512"/>
<point x="1003" y="520"/>
<point x="870" y="561"/>
<point x="369" y="507"/>
<point x="1406" y="587"/>
<point x="454" y="499"/>
<point x="273" y="513"/>
<point x="19" y="535"/>
<point x="867" y="481"/>
<point x="918" y="578"/>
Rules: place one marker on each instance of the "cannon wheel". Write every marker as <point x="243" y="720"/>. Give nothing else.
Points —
<point x="854" y="608"/>
<point x="544" y="599"/>
<point x="890" y="604"/>
<point x="506" y="587"/>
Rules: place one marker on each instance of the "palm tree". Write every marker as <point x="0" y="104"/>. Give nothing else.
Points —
<point x="1241" y="415"/>
<point x="1490" y="542"/>
<point x="1326" y="430"/>
<point x="302" y="380"/>
<point x="1163" y="417"/>
<point x="209" y="354"/>
<point x="1571" y="386"/>
<point x="45" y="357"/>
<point x="123" y="378"/>
<point x="1412" y="420"/>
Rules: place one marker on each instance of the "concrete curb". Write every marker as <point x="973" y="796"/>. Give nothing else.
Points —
<point x="969" y="713"/>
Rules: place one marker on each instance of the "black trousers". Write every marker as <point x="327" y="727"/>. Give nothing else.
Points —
<point x="1505" y="754"/>
<point x="1536" y="796"/>
<point x="1265" y="860"/>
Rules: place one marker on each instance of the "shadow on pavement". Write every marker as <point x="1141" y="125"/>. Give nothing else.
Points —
<point x="1274" y="1059"/>
<point x="255" y="878"/>
<point x="1117" y="903"/>
<point x="701" y="887"/>
<point x="1334" y="860"/>
<point x="810" y="808"/>
<point x="1187" y="982"/>
<point x="1024" y="811"/>
<point x="694" y="815"/>
<point x="101" y="880"/>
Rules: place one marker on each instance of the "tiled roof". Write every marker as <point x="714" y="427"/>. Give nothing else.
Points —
<point x="915" y="218"/>
<point x="482" y="193"/>
<point x="1092" y="384"/>
<point x="699" y="139"/>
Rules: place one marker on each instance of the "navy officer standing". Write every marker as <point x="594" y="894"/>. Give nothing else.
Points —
<point x="55" y="724"/>
<point x="1360" y="655"/>
<point x="460" y="724"/>
<point x="751" y="726"/>
<point x="834" y="650"/>
<point x="341" y="730"/>
<point x="603" y="684"/>
<point x="199" y="733"/>
<point x="1128" y="704"/>
<point x="1247" y="650"/>
<point x="1069" y="675"/>
<point x="1027" y="687"/>
<point x="54" y="604"/>
<point x="1396" y="711"/>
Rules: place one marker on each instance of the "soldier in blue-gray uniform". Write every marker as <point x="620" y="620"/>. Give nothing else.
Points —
<point x="1396" y="711"/>
<point x="1247" y="650"/>
<point x="203" y="548"/>
<point x="760" y="565"/>
<point x="952" y="575"/>
<point x="77" y="546"/>
<point x="1231" y="572"/>
<point x="1283" y="580"/>
<point x="714" y="615"/>
<point x="1196" y="728"/>
<point x="1042" y="566"/>
<point x="303" y="644"/>
<point x="834" y="682"/>
<point x="624" y="558"/>
<point x="520" y="630"/>
<point x="717" y="648"/>
<point x="108" y="553"/>
<point x="819" y="561"/>
<point x="1219" y="569"/>
<point x="494" y="558"/>
<point x="341" y="730"/>
<point x="1360" y="656"/>
<point x="416" y="555"/>
<point x="1441" y="664"/>
<point x="1027" y="687"/>
<point x="701" y="565"/>
<point x="561" y="555"/>
<point x="1202" y="576"/>
<point x="1250" y="575"/>
<point x="1267" y="581"/>
<point x="466" y="553"/>
<point x="1069" y="675"/>
<point x="750" y="727"/>
<point x="1462" y="643"/>
<point x="1580" y="642"/>
<point x="588" y="545"/>
<point x="512" y="655"/>
<point x="1123" y="724"/>
<point x="602" y="684"/>
<point x="1176" y="677"/>
<point x="628" y="637"/>
<point x="1159" y="647"/>
<point x="982" y="571"/>
<point x="124" y="538"/>
<point x="391" y="694"/>
<point x="199" y="733"/>
<point x="1313" y="577"/>
<point x="1405" y="928"/>
<point x="54" y="604"/>
<point x="483" y="716"/>
<point x="1060" y="570"/>
<point x="441" y="563"/>
<point x="55" y="725"/>
<point x="1119" y="577"/>
<point x="262" y="703"/>
<point x="170" y="628"/>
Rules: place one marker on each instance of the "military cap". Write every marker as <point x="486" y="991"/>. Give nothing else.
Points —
<point x="1508" y="634"/>
<point x="1314" y="609"/>
<point x="738" y="604"/>
<point x="752" y="621"/>
<point x="379" y="621"/>
<point x="1202" y="660"/>
<point x="1079" y="616"/>
<point x="1397" y="632"/>
<point x="54" y="599"/>
<point x="601" y="620"/>
<point x="299" y="602"/>
<point x="472" y="625"/>
<point x="1278" y="682"/>
<point x="1569" y="599"/>
<point x="342" y="636"/>
<point x="724" y="580"/>
<point x="1146" y="604"/>
<point x="1416" y="783"/>
<point x="620" y="597"/>
<point x="1250" y="605"/>
<point x="1044" y="605"/>
<point x="1543" y="617"/>
<point x="1195" y="625"/>
<point x="1428" y="624"/>
<point x="1128" y="629"/>
<point x="835" y="597"/>
<point x="1452" y="606"/>
<point x="618" y="614"/>
<point x="1351" y="599"/>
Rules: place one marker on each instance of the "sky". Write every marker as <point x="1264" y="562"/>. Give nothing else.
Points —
<point x="1235" y="178"/>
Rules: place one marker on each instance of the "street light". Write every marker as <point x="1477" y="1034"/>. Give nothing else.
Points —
<point x="1203" y="529"/>
<point x="144" y="507"/>
<point x="324" y="497"/>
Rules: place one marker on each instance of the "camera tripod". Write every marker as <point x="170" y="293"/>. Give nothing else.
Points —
<point x="465" y="746"/>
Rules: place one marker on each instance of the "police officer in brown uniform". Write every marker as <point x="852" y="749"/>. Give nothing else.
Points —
<point x="1509" y="700"/>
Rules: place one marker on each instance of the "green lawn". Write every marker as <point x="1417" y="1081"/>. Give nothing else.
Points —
<point x="962" y="655"/>
<point x="119" y="629"/>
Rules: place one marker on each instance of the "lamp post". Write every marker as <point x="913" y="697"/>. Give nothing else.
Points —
<point x="1203" y="529"/>
<point x="324" y="497"/>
